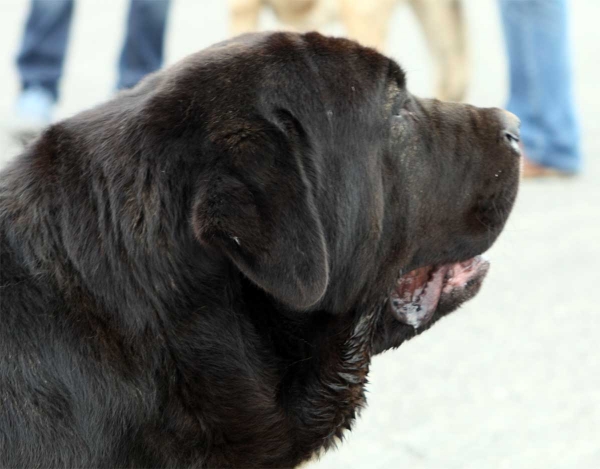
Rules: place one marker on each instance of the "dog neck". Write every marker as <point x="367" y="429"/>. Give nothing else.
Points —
<point x="153" y="272"/>
<point x="343" y="381"/>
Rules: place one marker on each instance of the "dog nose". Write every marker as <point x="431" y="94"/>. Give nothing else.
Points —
<point x="510" y="127"/>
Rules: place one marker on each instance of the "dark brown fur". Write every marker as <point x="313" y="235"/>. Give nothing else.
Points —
<point x="196" y="273"/>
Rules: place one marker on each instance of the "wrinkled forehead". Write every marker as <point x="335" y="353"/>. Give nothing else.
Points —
<point x="309" y="56"/>
<point x="345" y="61"/>
<point x="311" y="76"/>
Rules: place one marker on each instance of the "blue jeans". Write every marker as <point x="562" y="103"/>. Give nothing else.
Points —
<point x="40" y="60"/>
<point x="536" y="33"/>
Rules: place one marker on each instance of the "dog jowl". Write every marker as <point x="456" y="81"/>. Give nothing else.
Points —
<point x="198" y="272"/>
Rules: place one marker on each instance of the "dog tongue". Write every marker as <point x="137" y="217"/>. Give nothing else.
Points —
<point x="416" y="295"/>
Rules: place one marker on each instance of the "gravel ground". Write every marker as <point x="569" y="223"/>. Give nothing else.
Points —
<point x="513" y="379"/>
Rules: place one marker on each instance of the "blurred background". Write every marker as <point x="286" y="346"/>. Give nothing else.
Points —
<point x="513" y="379"/>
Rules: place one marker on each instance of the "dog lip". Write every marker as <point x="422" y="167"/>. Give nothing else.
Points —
<point x="418" y="293"/>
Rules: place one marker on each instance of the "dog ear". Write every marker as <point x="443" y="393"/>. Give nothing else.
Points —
<point x="258" y="208"/>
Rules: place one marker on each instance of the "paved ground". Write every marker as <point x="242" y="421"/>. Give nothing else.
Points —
<point x="513" y="379"/>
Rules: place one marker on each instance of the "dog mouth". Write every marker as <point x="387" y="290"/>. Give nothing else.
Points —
<point x="423" y="291"/>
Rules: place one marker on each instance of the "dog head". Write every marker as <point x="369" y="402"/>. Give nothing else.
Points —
<point x="329" y="185"/>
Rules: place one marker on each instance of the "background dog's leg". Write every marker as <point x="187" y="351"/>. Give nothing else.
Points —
<point x="367" y="21"/>
<point x="445" y="32"/>
<point x="243" y="15"/>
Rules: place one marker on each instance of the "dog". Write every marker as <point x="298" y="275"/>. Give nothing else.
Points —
<point x="198" y="272"/>
<point x="367" y="21"/>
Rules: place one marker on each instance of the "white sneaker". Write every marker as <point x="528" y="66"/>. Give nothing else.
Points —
<point x="33" y="113"/>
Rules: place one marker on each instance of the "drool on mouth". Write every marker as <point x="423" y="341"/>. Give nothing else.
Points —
<point x="418" y="293"/>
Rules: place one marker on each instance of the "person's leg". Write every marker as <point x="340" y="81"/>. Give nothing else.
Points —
<point x="537" y="41"/>
<point x="41" y="57"/>
<point x="144" y="44"/>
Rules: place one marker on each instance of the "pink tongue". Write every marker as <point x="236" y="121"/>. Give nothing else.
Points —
<point x="417" y="294"/>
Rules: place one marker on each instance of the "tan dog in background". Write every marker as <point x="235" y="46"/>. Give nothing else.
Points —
<point x="367" y="21"/>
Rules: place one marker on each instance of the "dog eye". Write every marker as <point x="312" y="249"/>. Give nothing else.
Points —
<point x="401" y="108"/>
<point x="401" y="113"/>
